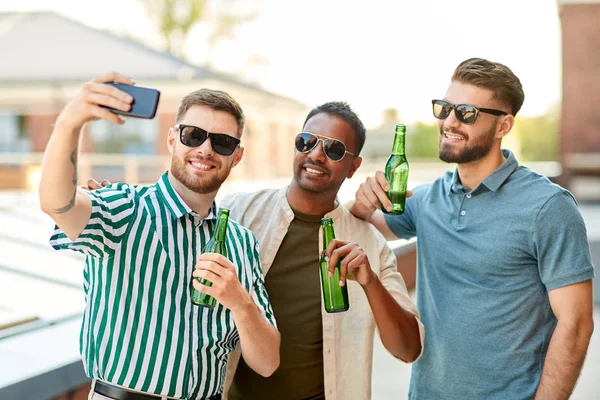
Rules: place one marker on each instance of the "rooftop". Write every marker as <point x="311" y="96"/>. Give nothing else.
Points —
<point x="48" y="48"/>
<point x="41" y="306"/>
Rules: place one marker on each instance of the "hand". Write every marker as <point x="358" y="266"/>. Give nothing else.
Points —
<point x="371" y="195"/>
<point x="355" y="264"/>
<point x="226" y="287"/>
<point x="85" y="107"/>
<point x="93" y="184"/>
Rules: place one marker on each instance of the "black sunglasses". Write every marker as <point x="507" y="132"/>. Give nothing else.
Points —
<point x="333" y="148"/>
<point x="192" y="136"/>
<point x="465" y="113"/>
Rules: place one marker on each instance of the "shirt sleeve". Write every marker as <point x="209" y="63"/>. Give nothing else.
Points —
<point x="259" y="292"/>
<point x="112" y="211"/>
<point x="404" y="226"/>
<point x="392" y="280"/>
<point x="560" y="243"/>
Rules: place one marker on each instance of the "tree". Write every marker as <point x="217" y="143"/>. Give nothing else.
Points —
<point x="390" y="116"/>
<point x="538" y="136"/>
<point x="175" y="19"/>
<point x="422" y="140"/>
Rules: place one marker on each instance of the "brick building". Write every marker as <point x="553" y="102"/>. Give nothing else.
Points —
<point x="580" y="116"/>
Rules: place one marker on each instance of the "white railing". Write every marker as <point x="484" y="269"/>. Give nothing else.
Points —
<point x="135" y="168"/>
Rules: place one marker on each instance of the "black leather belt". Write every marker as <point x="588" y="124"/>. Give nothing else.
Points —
<point x="117" y="393"/>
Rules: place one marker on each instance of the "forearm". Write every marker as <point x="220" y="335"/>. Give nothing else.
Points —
<point x="564" y="360"/>
<point x="398" y="329"/>
<point x="59" y="171"/>
<point x="378" y="220"/>
<point x="259" y="340"/>
<point x="58" y="192"/>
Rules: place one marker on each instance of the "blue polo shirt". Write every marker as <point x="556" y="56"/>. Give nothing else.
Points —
<point x="487" y="258"/>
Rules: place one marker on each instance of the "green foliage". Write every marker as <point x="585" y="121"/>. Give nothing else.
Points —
<point x="175" y="18"/>
<point x="539" y="136"/>
<point x="422" y="140"/>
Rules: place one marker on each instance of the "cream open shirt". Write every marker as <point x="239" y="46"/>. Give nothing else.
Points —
<point x="348" y="336"/>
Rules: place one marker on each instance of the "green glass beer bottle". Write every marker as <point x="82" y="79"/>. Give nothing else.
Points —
<point x="335" y="297"/>
<point x="216" y="244"/>
<point x="396" y="173"/>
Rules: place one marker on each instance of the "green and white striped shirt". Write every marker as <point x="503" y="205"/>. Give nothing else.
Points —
<point x="140" y="329"/>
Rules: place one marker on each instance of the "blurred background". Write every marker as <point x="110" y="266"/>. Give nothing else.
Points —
<point x="279" y="59"/>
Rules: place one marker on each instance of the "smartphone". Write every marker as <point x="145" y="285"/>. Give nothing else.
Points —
<point x="145" y="101"/>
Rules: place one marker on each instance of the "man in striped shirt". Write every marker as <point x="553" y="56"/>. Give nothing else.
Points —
<point x="140" y="331"/>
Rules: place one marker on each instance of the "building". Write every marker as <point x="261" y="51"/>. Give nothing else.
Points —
<point x="45" y="59"/>
<point x="580" y="116"/>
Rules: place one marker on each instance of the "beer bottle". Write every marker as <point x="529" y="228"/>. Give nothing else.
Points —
<point x="396" y="173"/>
<point x="215" y="245"/>
<point x="335" y="297"/>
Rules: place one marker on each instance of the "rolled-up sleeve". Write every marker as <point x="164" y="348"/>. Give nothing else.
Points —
<point x="112" y="211"/>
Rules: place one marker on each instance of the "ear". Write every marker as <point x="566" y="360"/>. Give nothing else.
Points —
<point x="355" y="164"/>
<point x="237" y="156"/>
<point x="506" y="124"/>
<point x="171" y="140"/>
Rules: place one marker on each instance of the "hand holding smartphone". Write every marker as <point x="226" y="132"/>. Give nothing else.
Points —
<point x="145" y="101"/>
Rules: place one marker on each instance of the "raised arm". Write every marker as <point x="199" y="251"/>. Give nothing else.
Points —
<point x="69" y="206"/>
<point x="370" y="196"/>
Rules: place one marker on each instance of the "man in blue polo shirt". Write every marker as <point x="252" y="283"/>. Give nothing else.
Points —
<point x="504" y="267"/>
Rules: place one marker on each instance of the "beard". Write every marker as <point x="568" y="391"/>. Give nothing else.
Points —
<point x="473" y="150"/>
<point x="196" y="182"/>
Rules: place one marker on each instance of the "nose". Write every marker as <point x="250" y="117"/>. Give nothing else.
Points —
<point x="451" y="122"/>
<point x="206" y="148"/>
<point x="318" y="153"/>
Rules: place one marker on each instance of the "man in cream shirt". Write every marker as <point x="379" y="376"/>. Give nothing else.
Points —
<point x="323" y="355"/>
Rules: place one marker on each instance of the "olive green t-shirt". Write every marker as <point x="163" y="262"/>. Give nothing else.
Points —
<point x="293" y="285"/>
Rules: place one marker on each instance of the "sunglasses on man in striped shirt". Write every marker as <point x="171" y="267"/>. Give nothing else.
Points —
<point x="221" y="143"/>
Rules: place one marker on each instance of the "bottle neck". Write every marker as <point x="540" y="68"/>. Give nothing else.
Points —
<point x="328" y="234"/>
<point x="221" y="228"/>
<point x="398" y="148"/>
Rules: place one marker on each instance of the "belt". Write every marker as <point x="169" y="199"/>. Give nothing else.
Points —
<point x="118" y="393"/>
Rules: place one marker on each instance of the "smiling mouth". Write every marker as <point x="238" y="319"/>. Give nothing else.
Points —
<point x="453" y="136"/>
<point x="201" y="166"/>
<point x="314" y="172"/>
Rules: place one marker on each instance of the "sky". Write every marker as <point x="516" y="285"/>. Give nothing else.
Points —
<point x="373" y="54"/>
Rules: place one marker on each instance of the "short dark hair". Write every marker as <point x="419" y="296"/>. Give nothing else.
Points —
<point x="493" y="76"/>
<point x="342" y="110"/>
<point x="215" y="99"/>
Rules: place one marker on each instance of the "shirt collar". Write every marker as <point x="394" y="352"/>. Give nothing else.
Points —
<point x="289" y="213"/>
<point x="501" y="174"/>
<point x="177" y="207"/>
<point x="171" y="198"/>
<point x="496" y="178"/>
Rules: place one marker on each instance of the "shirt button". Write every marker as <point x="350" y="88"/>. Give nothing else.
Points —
<point x="469" y="196"/>
<point x="463" y="212"/>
